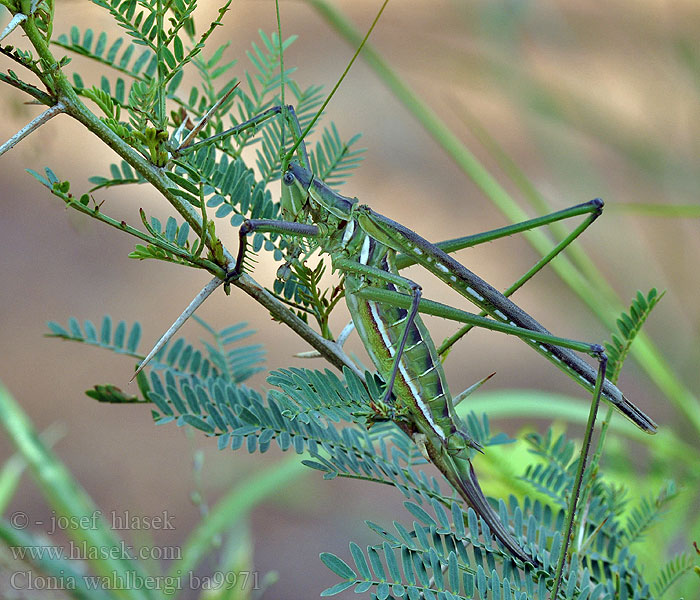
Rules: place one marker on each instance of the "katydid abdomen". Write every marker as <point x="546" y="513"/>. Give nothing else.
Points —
<point x="423" y="403"/>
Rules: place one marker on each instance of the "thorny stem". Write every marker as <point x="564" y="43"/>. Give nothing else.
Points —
<point x="61" y="91"/>
<point x="331" y="351"/>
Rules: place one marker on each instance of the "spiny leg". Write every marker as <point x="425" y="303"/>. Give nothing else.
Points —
<point x="186" y="147"/>
<point x="416" y="293"/>
<point x="578" y="481"/>
<point x="544" y="261"/>
<point x="247" y="227"/>
<point x="541" y="340"/>
<point x="269" y="226"/>
<point x="504" y="312"/>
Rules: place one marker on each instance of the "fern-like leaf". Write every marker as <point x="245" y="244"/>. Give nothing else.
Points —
<point x="629" y="324"/>
<point x="125" y="59"/>
<point x="671" y="572"/>
<point x="120" y="175"/>
<point x="333" y="159"/>
<point x="648" y="512"/>
<point x="109" y="337"/>
<point x="137" y="23"/>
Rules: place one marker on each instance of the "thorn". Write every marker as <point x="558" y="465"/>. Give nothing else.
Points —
<point x="345" y="334"/>
<point x="179" y="322"/>
<point x="204" y="120"/>
<point x="33" y="125"/>
<point x="308" y="354"/>
<point x="12" y="25"/>
<point x="471" y="389"/>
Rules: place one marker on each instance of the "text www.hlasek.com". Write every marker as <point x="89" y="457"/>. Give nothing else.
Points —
<point x="85" y="551"/>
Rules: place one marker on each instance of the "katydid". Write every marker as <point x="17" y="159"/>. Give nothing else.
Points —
<point x="366" y="248"/>
<point x="363" y="246"/>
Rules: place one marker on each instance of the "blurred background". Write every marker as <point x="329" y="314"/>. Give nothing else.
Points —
<point x="589" y="100"/>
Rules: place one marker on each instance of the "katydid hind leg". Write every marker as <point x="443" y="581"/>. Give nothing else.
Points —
<point x="496" y="305"/>
<point x="593" y="208"/>
<point x="544" y="261"/>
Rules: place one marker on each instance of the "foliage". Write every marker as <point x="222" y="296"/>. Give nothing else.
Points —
<point x="629" y="324"/>
<point x="188" y="144"/>
<point x="445" y="548"/>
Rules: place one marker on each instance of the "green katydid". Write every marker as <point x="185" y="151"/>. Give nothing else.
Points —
<point x="363" y="246"/>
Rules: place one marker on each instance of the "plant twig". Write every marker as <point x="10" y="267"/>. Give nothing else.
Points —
<point x="32" y="126"/>
<point x="585" y="446"/>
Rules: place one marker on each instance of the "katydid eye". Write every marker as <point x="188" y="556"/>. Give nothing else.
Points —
<point x="288" y="178"/>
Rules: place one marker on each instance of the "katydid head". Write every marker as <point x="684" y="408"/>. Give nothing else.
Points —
<point x="320" y="194"/>
<point x="292" y="200"/>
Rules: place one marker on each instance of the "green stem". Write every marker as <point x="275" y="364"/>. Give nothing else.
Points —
<point x="644" y="350"/>
<point x="27" y="88"/>
<point x="161" y="118"/>
<point x="95" y="213"/>
<point x="77" y="109"/>
<point x="585" y="446"/>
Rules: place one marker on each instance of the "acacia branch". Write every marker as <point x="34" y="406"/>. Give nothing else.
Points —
<point x="56" y="80"/>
